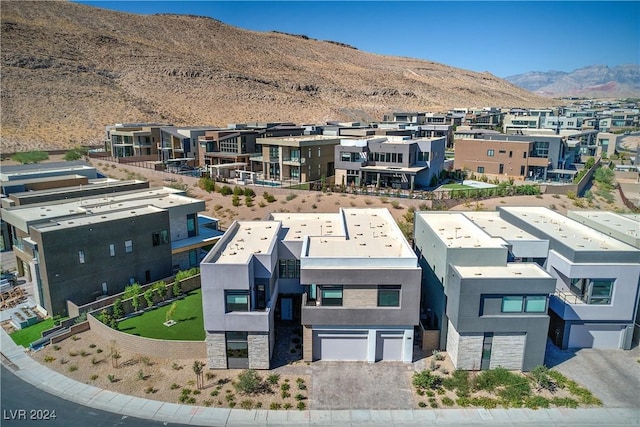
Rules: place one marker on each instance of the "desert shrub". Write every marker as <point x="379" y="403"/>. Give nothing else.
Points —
<point x="26" y="157"/>
<point x="49" y="359"/>
<point x="246" y="404"/>
<point x="73" y="368"/>
<point x="447" y="401"/>
<point x="301" y="406"/>
<point x="426" y="380"/>
<point x="226" y="190"/>
<point x="565" y="402"/>
<point x="174" y="386"/>
<point x="285" y="394"/>
<point x="249" y="382"/>
<point x="275" y="406"/>
<point x="422" y="404"/>
<point x="248" y="192"/>
<point x="238" y="191"/>
<point x="93" y="377"/>
<point x="291" y="196"/>
<point x="268" y="197"/>
<point x="287" y="405"/>
<point x="273" y="379"/>
<point x="235" y="201"/>
<point x="536" y="402"/>
<point x="111" y="378"/>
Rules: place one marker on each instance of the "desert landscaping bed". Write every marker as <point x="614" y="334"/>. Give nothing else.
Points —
<point x="86" y="357"/>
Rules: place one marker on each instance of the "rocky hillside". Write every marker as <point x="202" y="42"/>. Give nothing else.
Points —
<point x="595" y="81"/>
<point x="69" y="69"/>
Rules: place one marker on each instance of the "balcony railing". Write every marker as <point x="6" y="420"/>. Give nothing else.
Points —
<point x="568" y="297"/>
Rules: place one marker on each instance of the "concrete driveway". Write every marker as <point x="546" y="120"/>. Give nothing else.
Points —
<point x="360" y="385"/>
<point x="613" y="376"/>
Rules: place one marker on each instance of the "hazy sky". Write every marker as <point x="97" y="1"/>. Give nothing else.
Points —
<point x="504" y="38"/>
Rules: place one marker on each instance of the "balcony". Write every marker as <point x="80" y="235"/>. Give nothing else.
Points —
<point x="255" y="320"/>
<point x="568" y="297"/>
<point x="294" y="161"/>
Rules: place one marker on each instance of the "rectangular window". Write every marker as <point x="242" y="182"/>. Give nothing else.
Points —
<point x="399" y="157"/>
<point x="536" y="304"/>
<point x="512" y="304"/>
<point x="160" y="238"/>
<point x="510" y="153"/>
<point x="319" y="151"/>
<point x="387" y="157"/>
<point x="490" y="153"/>
<point x="502" y="152"/>
<point x="345" y="156"/>
<point x="193" y="258"/>
<point x="389" y="296"/>
<point x="524" y="155"/>
<point x="289" y="268"/>
<point x="191" y="225"/>
<point x="81" y="256"/>
<point x="394" y="157"/>
<point x="112" y="249"/>
<point x="601" y="291"/>
<point x="501" y="168"/>
<point x="236" y="301"/>
<point x="237" y="349"/>
<point x="282" y="268"/>
<point x="480" y="169"/>
<point x="128" y="246"/>
<point x="331" y="295"/>
<point x="522" y="170"/>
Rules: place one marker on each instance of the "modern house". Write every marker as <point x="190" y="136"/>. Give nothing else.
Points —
<point x="399" y="163"/>
<point x="350" y="278"/>
<point x="596" y="296"/>
<point x="180" y="144"/>
<point x="490" y="312"/>
<point x="296" y="159"/>
<point x="224" y="150"/>
<point x="133" y="139"/>
<point x="83" y="248"/>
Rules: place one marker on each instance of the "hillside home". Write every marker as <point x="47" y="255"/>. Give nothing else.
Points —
<point x="180" y="143"/>
<point x="389" y="162"/>
<point x="133" y="139"/>
<point x="350" y="278"/>
<point x="296" y="159"/>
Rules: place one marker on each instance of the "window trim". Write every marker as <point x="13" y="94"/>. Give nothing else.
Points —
<point x="236" y="293"/>
<point x="332" y="301"/>
<point x="388" y="290"/>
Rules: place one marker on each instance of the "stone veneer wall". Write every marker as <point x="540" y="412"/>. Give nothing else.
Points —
<point x="258" y="343"/>
<point x="360" y="296"/>
<point x="216" y="350"/>
<point x="464" y="350"/>
<point x="149" y="346"/>
<point x="307" y="343"/>
<point x="507" y="351"/>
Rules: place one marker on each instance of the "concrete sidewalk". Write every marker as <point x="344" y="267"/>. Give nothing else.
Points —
<point x="27" y="369"/>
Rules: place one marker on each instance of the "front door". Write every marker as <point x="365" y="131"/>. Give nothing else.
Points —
<point x="286" y="309"/>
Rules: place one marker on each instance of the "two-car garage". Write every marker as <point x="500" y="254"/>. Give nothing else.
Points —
<point x="362" y="345"/>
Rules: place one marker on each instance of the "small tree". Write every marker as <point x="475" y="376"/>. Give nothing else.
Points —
<point x="114" y="354"/>
<point x="72" y="155"/>
<point x="198" y="368"/>
<point x="176" y="288"/>
<point x="171" y="312"/>
<point x="148" y="297"/>
<point x="160" y="289"/>
<point x="118" y="311"/>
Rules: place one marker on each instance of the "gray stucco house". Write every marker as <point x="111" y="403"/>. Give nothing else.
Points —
<point x="351" y="276"/>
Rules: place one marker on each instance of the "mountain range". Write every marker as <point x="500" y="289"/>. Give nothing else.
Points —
<point x="594" y="81"/>
<point x="70" y="69"/>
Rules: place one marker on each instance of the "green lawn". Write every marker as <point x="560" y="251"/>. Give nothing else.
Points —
<point x="190" y="326"/>
<point x="26" y="336"/>
<point x="456" y="186"/>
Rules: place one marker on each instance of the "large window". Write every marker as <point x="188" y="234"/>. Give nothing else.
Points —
<point x="423" y="156"/>
<point x="331" y="295"/>
<point x="512" y="304"/>
<point x="237" y="349"/>
<point x="601" y="291"/>
<point x="524" y="303"/>
<point x="289" y="268"/>
<point x="389" y="296"/>
<point x="236" y="301"/>
<point x="191" y="225"/>
<point x="128" y="246"/>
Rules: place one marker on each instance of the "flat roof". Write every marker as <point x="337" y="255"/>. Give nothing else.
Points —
<point x="569" y="232"/>
<point x="510" y="271"/>
<point x="495" y="226"/>
<point x="74" y="189"/>
<point x="627" y="227"/>
<point x="299" y="140"/>
<point x="370" y="233"/>
<point x="393" y="169"/>
<point x="455" y="230"/>
<point x="81" y="220"/>
<point x="246" y="239"/>
<point x="162" y="197"/>
<point x="296" y="226"/>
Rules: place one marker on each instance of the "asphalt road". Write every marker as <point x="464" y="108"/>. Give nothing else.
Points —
<point x="24" y="405"/>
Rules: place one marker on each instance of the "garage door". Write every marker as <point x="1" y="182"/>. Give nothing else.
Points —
<point x="338" y="345"/>
<point x="389" y="346"/>
<point x="596" y="336"/>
